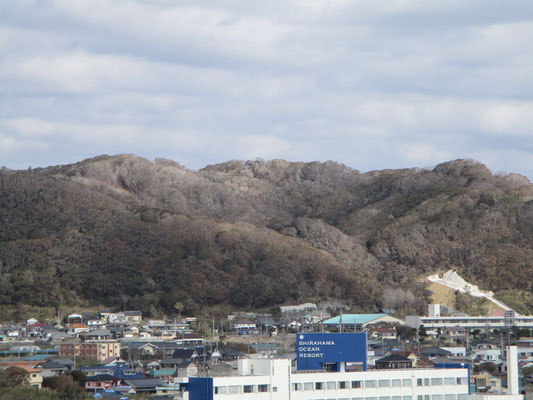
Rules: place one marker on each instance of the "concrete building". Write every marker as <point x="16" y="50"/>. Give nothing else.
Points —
<point x="93" y="350"/>
<point x="264" y="379"/>
<point x="324" y="371"/>
<point x="470" y="322"/>
<point x="358" y="322"/>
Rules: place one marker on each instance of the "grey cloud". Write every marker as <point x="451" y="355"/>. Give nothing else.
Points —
<point x="374" y="85"/>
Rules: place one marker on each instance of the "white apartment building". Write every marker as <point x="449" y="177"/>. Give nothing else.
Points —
<point x="469" y="322"/>
<point x="273" y="379"/>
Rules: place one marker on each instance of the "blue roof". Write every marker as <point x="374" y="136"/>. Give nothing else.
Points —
<point x="357" y="319"/>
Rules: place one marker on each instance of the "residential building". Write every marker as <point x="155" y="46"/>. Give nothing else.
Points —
<point x="93" y="350"/>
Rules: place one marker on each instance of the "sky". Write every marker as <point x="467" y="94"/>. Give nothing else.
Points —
<point x="370" y="84"/>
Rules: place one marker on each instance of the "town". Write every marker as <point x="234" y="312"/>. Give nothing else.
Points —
<point x="122" y="355"/>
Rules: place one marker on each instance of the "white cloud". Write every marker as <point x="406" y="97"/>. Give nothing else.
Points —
<point x="374" y="85"/>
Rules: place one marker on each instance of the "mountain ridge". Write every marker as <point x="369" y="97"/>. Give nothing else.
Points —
<point x="125" y="230"/>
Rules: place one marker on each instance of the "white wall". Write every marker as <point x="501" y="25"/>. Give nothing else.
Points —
<point x="434" y="386"/>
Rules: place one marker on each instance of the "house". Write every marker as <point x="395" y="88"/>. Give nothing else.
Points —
<point x="130" y="332"/>
<point x="120" y="372"/>
<point x="394" y="361"/>
<point x="94" y="322"/>
<point x="75" y="318"/>
<point x="113" y="361"/>
<point x="189" y="339"/>
<point x="244" y="327"/>
<point x="65" y="362"/>
<point x="418" y="360"/>
<point x="186" y="368"/>
<point x="51" y="368"/>
<point x="454" y="333"/>
<point x="97" y="334"/>
<point x="388" y="333"/>
<point x="147" y="385"/>
<point x="11" y="332"/>
<point x="164" y="349"/>
<point x="482" y="383"/>
<point x="186" y="354"/>
<point x="229" y="354"/>
<point x="116" y="318"/>
<point x="100" y="382"/>
<point x="434" y="352"/>
<point x="163" y="374"/>
<point x="133" y="317"/>
<point x="456" y="351"/>
<point x="77" y="328"/>
<point x="171" y="363"/>
<point x="484" y="355"/>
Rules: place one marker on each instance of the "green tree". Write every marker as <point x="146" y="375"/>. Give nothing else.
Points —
<point x="13" y="376"/>
<point x="422" y="331"/>
<point x="65" y="387"/>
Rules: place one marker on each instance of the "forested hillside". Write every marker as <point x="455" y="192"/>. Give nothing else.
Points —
<point x="124" y="231"/>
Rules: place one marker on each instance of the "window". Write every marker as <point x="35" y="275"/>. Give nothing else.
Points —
<point x="436" y="381"/>
<point x="275" y="389"/>
<point x="384" y="398"/>
<point x="331" y="385"/>
<point x="308" y="386"/>
<point x="396" y="397"/>
<point x="221" y="390"/>
<point x="462" y="396"/>
<point x="419" y="382"/>
<point x="343" y="385"/>
<point x="264" y="388"/>
<point x="449" y="397"/>
<point x="383" y="383"/>
<point x="295" y="386"/>
<point x="356" y="384"/>
<point x="426" y="381"/>
<point x="234" y="389"/>
<point x="329" y="367"/>
<point x="437" y="397"/>
<point x="248" y="388"/>
<point x="370" y="384"/>
<point x="449" y="381"/>
<point x="406" y="398"/>
<point x="461" y="381"/>
<point x="396" y="383"/>
<point x="319" y="385"/>
<point x="406" y="382"/>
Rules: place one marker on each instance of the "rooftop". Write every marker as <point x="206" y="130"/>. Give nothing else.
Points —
<point x="357" y="319"/>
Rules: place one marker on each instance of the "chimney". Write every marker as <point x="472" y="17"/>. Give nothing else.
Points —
<point x="512" y="370"/>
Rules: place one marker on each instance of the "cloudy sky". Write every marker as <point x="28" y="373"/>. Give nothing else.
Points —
<point x="371" y="84"/>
